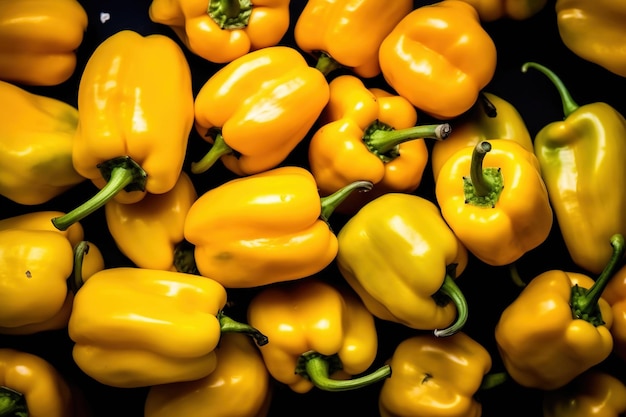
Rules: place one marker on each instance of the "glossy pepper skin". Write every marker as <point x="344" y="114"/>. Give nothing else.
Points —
<point x="321" y="335"/>
<point x="615" y="295"/>
<point x="435" y="376"/>
<point x="369" y="134"/>
<point x="439" y="57"/>
<point x="38" y="40"/>
<point x="582" y="163"/>
<point x="151" y="232"/>
<point x="240" y="386"/>
<point x="491" y="117"/>
<point x="558" y="326"/>
<point x="223" y="30"/>
<point x="137" y="327"/>
<point x="493" y="197"/>
<point x="256" y="109"/>
<point x="327" y="30"/>
<point x="592" y="31"/>
<point x="264" y="228"/>
<point x="37" y="136"/>
<point x="401" y="258"/>
<point x="491" y="10"/>
<point x="134" y="122"/>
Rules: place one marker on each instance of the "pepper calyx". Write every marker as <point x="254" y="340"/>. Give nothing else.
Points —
<point x="230" y="14"/>
<point x="12" y="403"/>
<point x="484" y="185"/>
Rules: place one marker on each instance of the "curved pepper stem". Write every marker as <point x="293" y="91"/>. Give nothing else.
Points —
<point x="219" y="149"/>
<point x="484" y="185"/>
<point x="569" y="105"/>
<point x="450" y="289"/>
<point x="75" y="281"/>
<point x="228" y="325"/>
<point x="121" y="174"/>
<point x="331" y="202"/>
<point x="584" y="301"/>
<point x="493" y="380"/>
<point x="230" y="14"/>
<point x="317" y="368"/>
<point x="12" y="403"/>
<point x="327" y="64"/>
<point x="383" y="140"/>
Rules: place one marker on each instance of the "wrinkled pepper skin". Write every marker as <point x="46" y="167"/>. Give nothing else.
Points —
<point x="593" y="31"/>
<point x="150" y="232"/>
<point x="491" y="10"/>
<point x="38" y="40"/>
<point x="257" y="109"/>
<point x="435" y="376"/>
<point x="221" y="31"/>
<point x="439" y="57"/>
<point x="592" y="394"/>
<point x="480" y="124"/>
<point x="582" y="163"/>
<point x="327" y="29"/>
<point x="37" y="136"/>
<point x="511" y="216"/>
<point x="395" y="253"/>
<point x="240" y="386"/>
<point x="136" y="327"/>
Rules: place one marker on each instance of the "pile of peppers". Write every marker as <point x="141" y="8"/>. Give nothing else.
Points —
<point x="241" y="208"/>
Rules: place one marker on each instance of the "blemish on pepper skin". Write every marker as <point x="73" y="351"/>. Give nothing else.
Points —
<point x="28" y="274"/>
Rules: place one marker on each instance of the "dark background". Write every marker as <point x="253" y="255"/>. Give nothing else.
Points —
<point x="488" y="289"/>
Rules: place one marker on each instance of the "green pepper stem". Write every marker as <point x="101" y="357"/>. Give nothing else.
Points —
<point x="230" y="14"/>
<point x="487" y="106"/>
<point x="569" y="105"/>
<point x="332" y="201"/>
<point x="76" y="279"/>
<point x="228" y="325"/>
<point x="482" y="183"/>
<point x="327" y="64"/>
<point x="219" y="149"/>
<point x="121" y="174"/>
<point x="453" y="291"/>
<point x="317" y="370"/>
<point x="184" y="260"/>
<point x="515" y="276"/>
<point x="493" y="380"/>
<point x="12" y="403"/>
<point x="381" y="141"/>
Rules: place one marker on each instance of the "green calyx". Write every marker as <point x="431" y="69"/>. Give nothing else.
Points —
<point x="228" y="325"/>
<point x="484" y="185"/>
<point x="12" y="403"/>
<point x="230" y="14"/>
<point x="569" y="105"/>
<point x="449" y="291"/>
<point x="326" y="64"/>
<point x="184" y="259"/>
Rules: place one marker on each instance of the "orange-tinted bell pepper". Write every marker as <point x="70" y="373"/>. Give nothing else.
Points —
<point x="328" y="29"/>
<point x="134" y="121"/>
<point x="223" y="30"/>
<point x="439" y="57"/>
<point x="256" y="109"/>
<point x="369" y="134"/>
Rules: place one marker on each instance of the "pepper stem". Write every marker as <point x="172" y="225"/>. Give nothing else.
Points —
<point x="12" y="403"/>
<point x="493" y="380"/>
<point x="585" y="301"/>
<point x="381" y="141"/>
<point x="317" y="368"/>
<point x="121" y="174"/>
<point x="75" y="281"/>
<point x="569" y="105"/>
<point x="326" y="64"/>
<point x="184" y="260"/>
<point x="228" y="325"/>
<point x="332" y="201"/>
<point x="219" y="149"/>
<point x="230" y="14"/>
<point x="453" y="291"/>
<point x="482" y="184"/>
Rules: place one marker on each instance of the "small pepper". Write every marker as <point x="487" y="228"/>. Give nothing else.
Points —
<point x="328" y="29"/>
<point x="369" y="134"/>
<point x="615" y="295"/>
<point x="221" y="31"/>
<point x="264" y="228"/>
<point x="402" y="259"/>
<point x="582" y="163"/>
<point x="257" y="109"/>
<point x="558" y="326"/>
<point x="492" y="10"/>
<point x="37" y="135"/>
<point x="439" y="57"/>
<point x="321" y="335"/>
<point x="134" y="122"/>
<point x="240" y="386"/>
<point x="493" y="197"/>
<point x="39" y="39"/>
<point x="137" y="327"/>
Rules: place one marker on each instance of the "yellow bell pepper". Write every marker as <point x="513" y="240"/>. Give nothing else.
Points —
<point x="257" y="109"/>
<point x="223" y="30"/>
<point x="593" y="31"/>
<point x="240" y="386"/>
<point x="328" y="29"/>
<point x="439" y="57"/>
<point x="138" y="327"/>
<point x="150" y="232"/>
<point x="37" y="136"/>
<point x="491" y="10"/>
<point x="435" y="377"/>
<point x="321" y="335"/>
<point x="134" y="121"/>
<point x="402" y="259"/>
<point x="264" y="228"/>
<point x="558" y="326"/>
<point x="615" y="295"/>
<point x="595" y="393"/>
<point x="369" y="134"/>
<point x="493" y="197"/>
<point x="38" y="40"/>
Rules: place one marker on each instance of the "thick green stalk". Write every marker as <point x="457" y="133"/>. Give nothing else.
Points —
<point x="569" y="105"/>
<point x="228" y="325"/>
<point x="331" y="202"/>
<point x="219" y="149"/>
